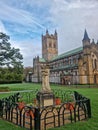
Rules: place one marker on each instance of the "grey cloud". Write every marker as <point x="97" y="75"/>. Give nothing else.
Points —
<point x="72" y="18"/>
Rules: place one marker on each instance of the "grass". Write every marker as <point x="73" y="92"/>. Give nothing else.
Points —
<point x="92" y="93"/>
<point x="4" y="89"/>
<point x="21" y="87"/>
<point x="4" y="125"/>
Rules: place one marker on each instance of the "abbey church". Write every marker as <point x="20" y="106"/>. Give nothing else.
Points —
<point x="78" y="66"/>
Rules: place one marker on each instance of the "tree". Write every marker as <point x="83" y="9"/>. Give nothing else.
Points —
<point x="11" y="68"/>
<point x="9" y="56"/>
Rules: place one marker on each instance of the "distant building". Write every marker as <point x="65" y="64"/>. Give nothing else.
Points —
<point x="27" y="74"/>
<point x="78" y="66"/>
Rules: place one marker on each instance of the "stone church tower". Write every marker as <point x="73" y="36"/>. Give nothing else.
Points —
<point x="49" y="46"/>
<point x="88" y="63"/>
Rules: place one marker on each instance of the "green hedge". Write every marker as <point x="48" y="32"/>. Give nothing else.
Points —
<point x="10" y="76"/>
<point x="8" y="82"/>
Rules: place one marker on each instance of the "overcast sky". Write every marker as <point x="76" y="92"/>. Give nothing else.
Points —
<point x="26" y="20"/>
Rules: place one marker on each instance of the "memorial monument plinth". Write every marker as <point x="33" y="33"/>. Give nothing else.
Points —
<point x="45" y="99"/>
<point x="45" y="96"/>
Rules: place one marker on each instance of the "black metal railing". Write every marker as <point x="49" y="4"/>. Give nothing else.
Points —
<point x="48" y="117"/>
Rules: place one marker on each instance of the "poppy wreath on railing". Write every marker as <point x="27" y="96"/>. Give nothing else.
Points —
<point x="30" y="113"/>
<point x="69" y="106"/>
<point x="21" y="105"/>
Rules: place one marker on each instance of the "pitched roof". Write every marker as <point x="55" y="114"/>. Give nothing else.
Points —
<point x="74" y="51"/>
<point x="42" y="60"/>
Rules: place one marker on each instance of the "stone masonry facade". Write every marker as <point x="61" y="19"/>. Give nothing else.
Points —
<point x="78" y="66"/>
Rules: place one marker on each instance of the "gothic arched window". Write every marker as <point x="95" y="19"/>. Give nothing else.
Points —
<point x="95" y="64"/>
<point x="50" y="45"/>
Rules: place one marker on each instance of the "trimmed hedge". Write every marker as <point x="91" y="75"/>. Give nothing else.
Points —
<point x="10" y="82"/>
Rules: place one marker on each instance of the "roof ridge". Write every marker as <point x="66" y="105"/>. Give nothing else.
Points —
<point x="68" y="53"/>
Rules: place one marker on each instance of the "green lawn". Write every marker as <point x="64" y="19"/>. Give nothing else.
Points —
<point x="92" y="93"/>
<point x="20" y="87"/>
<point x="4" y="125"/>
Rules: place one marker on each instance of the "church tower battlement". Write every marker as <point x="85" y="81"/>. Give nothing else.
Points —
<point x="49" y="45"/>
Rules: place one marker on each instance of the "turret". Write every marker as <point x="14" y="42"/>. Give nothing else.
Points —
<point x="86" y="39"/>
<point x="47" y="34"/>
<point x="55" y="34"/>
<point x="93" y="42"/>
